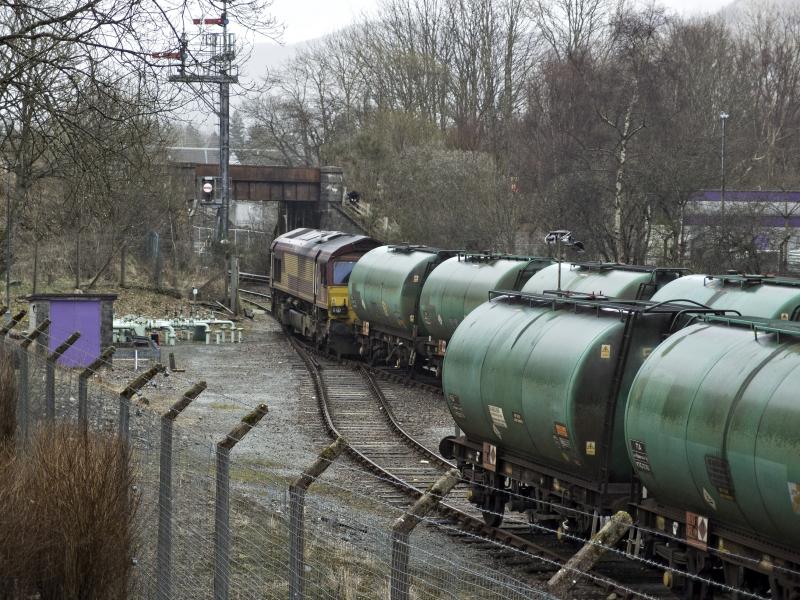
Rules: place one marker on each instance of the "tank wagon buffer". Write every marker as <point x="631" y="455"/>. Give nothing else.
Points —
<point x="711" y="429"/>
<point x="599" y="279"/>
<point x="410" y="299"/>
<point x="310" y="273"/>
<point x="750" y="295"/>
<point x="538" y="386"/>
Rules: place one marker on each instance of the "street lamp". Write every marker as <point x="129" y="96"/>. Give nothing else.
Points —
<point x="723" y="116"/>
<point x="562" y="237"/>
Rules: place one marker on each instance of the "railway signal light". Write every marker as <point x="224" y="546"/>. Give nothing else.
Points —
<point x="207" y="190"/>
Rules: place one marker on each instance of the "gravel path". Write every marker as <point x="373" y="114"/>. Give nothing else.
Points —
<point x="265" y="369"/>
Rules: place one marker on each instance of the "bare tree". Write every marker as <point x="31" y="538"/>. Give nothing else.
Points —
<point x="573" y="28"/>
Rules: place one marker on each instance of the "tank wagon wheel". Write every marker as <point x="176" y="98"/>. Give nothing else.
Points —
<point x="563" y="532"/>
<point x="780" y="591"/>
<point x="494" y="507"/>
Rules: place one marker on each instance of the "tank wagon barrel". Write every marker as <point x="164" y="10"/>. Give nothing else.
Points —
<point x="610" y="280"/>
<point x="384" y="290"/>
<point x="410" y="299"/>
<point x="462" y="283"/>
<point x="751" y="295"/>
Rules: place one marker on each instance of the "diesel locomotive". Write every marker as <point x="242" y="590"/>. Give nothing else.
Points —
<point x="310" y="274"/>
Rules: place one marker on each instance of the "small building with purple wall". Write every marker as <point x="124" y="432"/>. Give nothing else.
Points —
<point x="768" y="221"/>
<point x="90" y="314"/>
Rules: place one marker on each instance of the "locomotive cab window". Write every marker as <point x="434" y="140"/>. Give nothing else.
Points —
<point x="341" y="271"/>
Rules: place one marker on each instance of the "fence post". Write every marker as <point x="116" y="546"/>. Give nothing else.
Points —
<point x="403" y="526"/>
<point x="234" y="300"/>
<point x="6" y="329"/>
<point x="297" y="497"/>
<point x="164" y="551"/>
<point x="126" y="395"/>
<point x="585" y="558"/>
<point x="24" y="377"/>
<point x="222" y="541"/>
<point x="50" y="387"/>
<point x="83" y="381"/>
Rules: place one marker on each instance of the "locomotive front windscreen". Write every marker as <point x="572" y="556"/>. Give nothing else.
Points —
<point x="342" y="270"/>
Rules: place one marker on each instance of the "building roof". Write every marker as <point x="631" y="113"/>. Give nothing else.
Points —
<point x="185" y="154"/>
<point x="746" y="196"/>
<point x="71" y="296"/>
<point x="210" y="156"/>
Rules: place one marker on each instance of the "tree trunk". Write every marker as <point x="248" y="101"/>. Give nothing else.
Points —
<point x="78" y="260"/>
<point x="105" y="266"/>
<point x="35" y="262"/>
<point x="123" y="259"/>
<point x="620" y="250"/>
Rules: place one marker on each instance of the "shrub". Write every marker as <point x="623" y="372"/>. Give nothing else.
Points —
<point x="66" y="518"/>
<point x="8" y="399"/>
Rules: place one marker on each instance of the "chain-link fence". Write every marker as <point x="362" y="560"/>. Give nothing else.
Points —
<point x="216" y="519"/>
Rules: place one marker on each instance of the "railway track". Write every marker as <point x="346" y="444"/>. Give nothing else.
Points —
<point x="353" y="405"/>
<point x="253" y="277"/>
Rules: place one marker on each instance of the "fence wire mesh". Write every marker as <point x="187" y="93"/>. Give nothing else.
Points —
<point x="346" y="532"/>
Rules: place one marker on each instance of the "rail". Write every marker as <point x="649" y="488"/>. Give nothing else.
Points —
<point x="461" y="520"/>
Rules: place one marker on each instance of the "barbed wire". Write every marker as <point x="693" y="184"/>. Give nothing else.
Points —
<point x="363" y="473"/>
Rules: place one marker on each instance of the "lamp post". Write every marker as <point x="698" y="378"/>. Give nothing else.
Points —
<point x="723" y="116"/>
<point x="561" y="238"/>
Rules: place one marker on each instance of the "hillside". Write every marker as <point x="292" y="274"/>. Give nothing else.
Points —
<point x="741" y="10"/>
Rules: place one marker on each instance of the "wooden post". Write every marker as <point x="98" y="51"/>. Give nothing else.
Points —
<point x="50" y="375"/>
<point x="234" y="285"/>
<point x="585" y="558"/>
<point x="123" y="258"/>
<point x="401" y="578"/>
<point x="5" y="329"/>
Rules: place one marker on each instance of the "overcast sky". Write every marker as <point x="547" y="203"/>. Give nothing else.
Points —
<point x="309" y="19"/>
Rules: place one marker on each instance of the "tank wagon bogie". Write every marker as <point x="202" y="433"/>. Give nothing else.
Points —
<point x="538" y="386"/>
<point x="310" y="272"/>
<point x="608" y="280"/>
